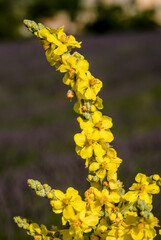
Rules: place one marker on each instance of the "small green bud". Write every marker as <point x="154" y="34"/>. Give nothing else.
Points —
<point x="22" y="222"/>
<point x="121" y="191"/>
<point x="41" y="190"/>
<point x="33" y="26"/>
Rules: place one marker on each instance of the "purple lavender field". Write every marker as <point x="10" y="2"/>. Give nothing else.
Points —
<point x="37" y="122"/>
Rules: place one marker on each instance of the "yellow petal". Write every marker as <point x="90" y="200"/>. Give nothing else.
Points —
<point x="43" y="33"/>
<point x="68" y="212"/>
<point x="66" y="79"/>
<point x="89" y="94"/>
<point x="106" y="135"/>
<point x="101" y="173"/>
<point x="44" y="230"/>
<point x="78" y="149"/>
<point x="131" y="196"/>
<point x="98" y="103"/>
<point x="86" y="152"/>
<point x="91" y="220"/>
<point x="57" y="211"/>
<point x="137" y="234"/>
<point x="82" y="65"/>
<point x="111" y="153"/>
<point x="140" y="178"/>
<point x="71" y="192"/>
<point x="98" y="150"/>
<point x="93" y="134"/>
<point x="146" y="197"/>
<point x="80" y="139"/>
<point x="71" y="61"/>
<point x="64" y="68"/>
<point x="79" y="205"/>
<point x="56" y="204"/>
<point x="59" y="194"/>
<point x="34" y="227"/>
<point x="153" y="188"/>
<point x="94" y="166"/>
<point x="86" y="126"/>
<point x="96" y="117"/>
<point x="52" y="39"/>
<point x="61" y="49"/>
<point x="66" y="234"/>
<point x="107" y="122"/>
<point x="115" y="197"/>
<point x="82" y="85"/>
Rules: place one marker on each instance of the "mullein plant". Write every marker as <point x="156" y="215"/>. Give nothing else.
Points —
<point x="106" y="212"/>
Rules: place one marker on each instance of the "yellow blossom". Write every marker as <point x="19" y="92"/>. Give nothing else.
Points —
<point x="105" y="198"/>
<point x="101" y="167"/>
<point x="88" y="144"/>
<point x="142" y="189"/>
<point x="141" y="229"/>
<point x="82" y="223"/>
<point x="40" y="232"/>
<point x="72" y="64"/>
<point x="87" y="86"/>
<point x="62" y="42"/>
<point x="68" y="203"/>
<point x="99" y="126"/>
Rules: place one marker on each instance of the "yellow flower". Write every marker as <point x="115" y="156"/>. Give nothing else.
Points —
<point x="106" y="198"/>
<point x="140" y="228"/>
<point x="88" y="144"/>
<point x="142" y="189"/>
<point x="72" y="64"/>
<point x="93" y="205"/>
<point x="98" y="103"/>
<point x="102" y="229"/>
<point x="62" y="42"/>
<point x="52" y="58"/>
<point x="93" y="105"/>
<point x="40" y="232"/>
<point x="99" y="126"/>
<point x="68" y="203"/>
<point x="102" y="166"/>
<point x="87" y="86"/>
<point x="82" y="223"/>
<point x="66" y="235"/>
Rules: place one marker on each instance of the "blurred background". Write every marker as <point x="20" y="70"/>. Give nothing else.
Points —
<point x="121" y="39"/>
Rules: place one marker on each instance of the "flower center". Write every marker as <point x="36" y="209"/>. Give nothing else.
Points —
<point x="140" y="226"/>
<point x="103" y="200"/>
<point x="77" y="223"/>
<point x="66" y="201"/>
<point x="142" y="187"/>
<point x="64" y="38"/>
<point x="84" y="109"/>
<point x="93" y="81"/>
<point x="71" y="73"/>
<point x="104" y="165"/>
<point x="38" y="237"/>
<point x="90" y="141"/>
<point x="99" y="125"/>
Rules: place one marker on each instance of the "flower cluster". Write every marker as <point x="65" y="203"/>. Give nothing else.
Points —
<point x="106" y="212"/>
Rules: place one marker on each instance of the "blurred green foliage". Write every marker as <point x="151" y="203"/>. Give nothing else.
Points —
<point x="8" y="20"/>
<point x="108" y="17"/>
<point x="114" y="18"/>
<point x="12" y="13"/>
<point x="41" y="8"/>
